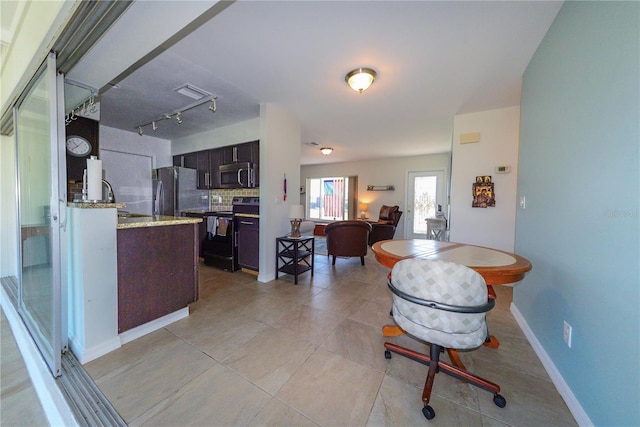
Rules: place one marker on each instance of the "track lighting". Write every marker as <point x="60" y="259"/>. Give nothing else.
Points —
<point x="178" y="114"/>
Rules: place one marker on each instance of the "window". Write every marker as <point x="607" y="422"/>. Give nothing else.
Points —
<point x="331" y="198"/>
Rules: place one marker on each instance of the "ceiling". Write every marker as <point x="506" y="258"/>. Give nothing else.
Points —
<point x="434" y="60"/>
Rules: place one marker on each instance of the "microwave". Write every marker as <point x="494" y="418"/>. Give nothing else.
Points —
<point x="237" y="175"/>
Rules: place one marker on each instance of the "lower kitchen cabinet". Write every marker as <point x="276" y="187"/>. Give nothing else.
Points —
<point x="157" y="272"/>
<point x="248" y="241"/>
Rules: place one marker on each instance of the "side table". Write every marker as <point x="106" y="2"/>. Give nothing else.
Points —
<point x="294" y="255"/>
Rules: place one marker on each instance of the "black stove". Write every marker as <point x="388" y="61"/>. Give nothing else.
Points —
<point x="246" y="205"/>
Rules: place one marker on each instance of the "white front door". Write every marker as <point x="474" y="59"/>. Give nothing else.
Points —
<point x="425" y="191"/>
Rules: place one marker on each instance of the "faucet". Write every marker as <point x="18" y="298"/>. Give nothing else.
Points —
<point x="110" y="196"/>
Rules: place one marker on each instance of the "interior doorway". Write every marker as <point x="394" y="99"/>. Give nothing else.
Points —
<point x="425" y="192"/>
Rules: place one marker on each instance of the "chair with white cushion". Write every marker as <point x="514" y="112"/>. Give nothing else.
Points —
<point x="444" y="304"/>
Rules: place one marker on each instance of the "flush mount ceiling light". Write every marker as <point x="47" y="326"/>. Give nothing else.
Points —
<point x="360" y="79"/>
<point x="326" y="150"/>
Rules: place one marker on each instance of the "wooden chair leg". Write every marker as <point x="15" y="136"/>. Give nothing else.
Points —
<point x="362" y="260"/>
<point x="334" y="260"/>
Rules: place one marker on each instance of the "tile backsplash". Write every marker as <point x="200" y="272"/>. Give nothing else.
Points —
<point x="220" y="199"/>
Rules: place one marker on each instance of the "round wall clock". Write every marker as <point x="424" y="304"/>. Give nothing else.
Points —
<point x="78" y="146"/>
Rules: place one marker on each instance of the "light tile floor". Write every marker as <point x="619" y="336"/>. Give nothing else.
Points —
<point x="278" y="354"/>
<point x="19" y="403"/>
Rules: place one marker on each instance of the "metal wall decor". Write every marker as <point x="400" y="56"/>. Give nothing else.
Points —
<point x="483" y="195"/>
<point x="380" y="188"/>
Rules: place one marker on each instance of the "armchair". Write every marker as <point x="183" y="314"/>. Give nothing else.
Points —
<point x="347" y="238"/>
<point x="385" y="227"/>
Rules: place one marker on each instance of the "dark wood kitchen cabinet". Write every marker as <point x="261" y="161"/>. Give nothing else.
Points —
<point x="208" y="162"/>
<point x="245" y="152"/>
<point x="157" y="272"/>
<point x="248" y="235"/>
<point x="239" y="153"/>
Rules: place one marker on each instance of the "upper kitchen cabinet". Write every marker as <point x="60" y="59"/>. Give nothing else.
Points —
<point x="246" y="152"/>
<point x="208" y="163"/>
<point x="205" y="162"/>
<point x="243" y="153"/>
<point x="189" y="160"/>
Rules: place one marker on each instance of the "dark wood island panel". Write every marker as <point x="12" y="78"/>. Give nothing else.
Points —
<point x="157" y="272"/>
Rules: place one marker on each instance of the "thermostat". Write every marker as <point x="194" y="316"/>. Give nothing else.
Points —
<point x="503" y="169"/>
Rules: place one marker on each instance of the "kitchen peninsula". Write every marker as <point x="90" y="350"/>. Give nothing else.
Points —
<point x="128" y="275"/>
<point x="157" y="267"/>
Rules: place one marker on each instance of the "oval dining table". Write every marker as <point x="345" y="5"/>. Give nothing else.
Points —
<point x="495" y="266"/>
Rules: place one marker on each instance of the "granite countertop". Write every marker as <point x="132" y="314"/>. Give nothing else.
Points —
<point x="96" y="205"/>
<point x="154" y="221"/>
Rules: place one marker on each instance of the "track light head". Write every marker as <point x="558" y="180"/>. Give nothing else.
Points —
<point x="154" y="126"/>
<point x="140" y="130"/>
<point x="179" y="118"/>
<point x="213" y="107"/>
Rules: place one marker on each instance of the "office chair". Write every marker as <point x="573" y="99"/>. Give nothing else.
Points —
<point x="444" y="304"/>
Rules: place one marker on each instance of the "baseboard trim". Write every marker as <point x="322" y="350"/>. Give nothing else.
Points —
<point x="154" y="325"/>
<point x="563" y="388"/>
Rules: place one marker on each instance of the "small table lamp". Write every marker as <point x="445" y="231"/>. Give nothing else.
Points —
<point x="296" y="215"/>
<point x="363" y="210"/>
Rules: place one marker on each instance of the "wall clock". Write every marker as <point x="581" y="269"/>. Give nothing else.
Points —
<point x="78" y="146"/>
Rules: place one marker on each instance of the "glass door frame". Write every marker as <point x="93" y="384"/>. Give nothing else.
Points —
<point x="51" y="349"/>
<point x="441" y="192"/>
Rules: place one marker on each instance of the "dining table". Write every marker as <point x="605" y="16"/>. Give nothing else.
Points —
<point x="497" y="267"/>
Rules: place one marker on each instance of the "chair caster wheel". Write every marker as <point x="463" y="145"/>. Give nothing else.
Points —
<point x="428" y="412"/>
<point x="387" y="354"/>
<point x="499" y="400"/>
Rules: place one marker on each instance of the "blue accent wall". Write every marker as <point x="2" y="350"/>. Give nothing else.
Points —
<point x="579" y="170"/>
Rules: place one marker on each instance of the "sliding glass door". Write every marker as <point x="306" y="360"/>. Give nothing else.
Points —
<point x="36" y="125"/>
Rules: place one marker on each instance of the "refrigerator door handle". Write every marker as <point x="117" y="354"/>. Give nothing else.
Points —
<point x="159" y="195"/>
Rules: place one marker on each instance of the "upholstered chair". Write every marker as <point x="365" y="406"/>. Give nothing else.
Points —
<point x="347" y="239"/>
<point x="445" y="305"/>
<point x="385" y="227"/>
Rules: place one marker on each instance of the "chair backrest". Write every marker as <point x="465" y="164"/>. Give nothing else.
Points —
<point x="389" y="215"/>
<point x="446" y="283"/>
<point x="347" y="238"/>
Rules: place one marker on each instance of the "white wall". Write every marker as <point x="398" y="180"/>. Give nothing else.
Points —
<point x="127" y="160"/>
<point x="388" y="171"/>
<point x="492" y="226"/>
<point x="130" y="142"/>
<point x="279" y="155"/>
<point x="228" y="135"/>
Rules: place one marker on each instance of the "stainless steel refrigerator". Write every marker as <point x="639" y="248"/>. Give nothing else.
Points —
<point x="175" y="190"/>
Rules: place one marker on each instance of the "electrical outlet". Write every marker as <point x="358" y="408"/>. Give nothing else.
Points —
<point x="566" y="333"/>
<point x="523" y="202"/>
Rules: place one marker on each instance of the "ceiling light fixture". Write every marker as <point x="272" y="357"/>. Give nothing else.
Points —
<point x="326" y="150"/>
<point x="178" y="113"/>
<point x="360" y="79"/>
